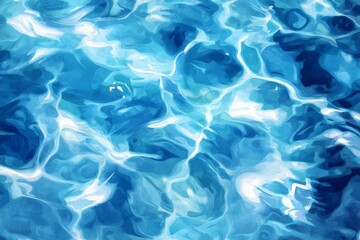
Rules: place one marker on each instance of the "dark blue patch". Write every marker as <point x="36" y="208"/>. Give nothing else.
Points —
<point x="4" y="55"/>
<point x="20" y="137"/>
<point x="340" y="24"/>
<point x="328" y="193"/>
<point x="4" y="196"/>
<point x="292" y="42"/>
<point x="176" y="36"/>
<point x="351" y="101"/>
<point x="312" y="73"/>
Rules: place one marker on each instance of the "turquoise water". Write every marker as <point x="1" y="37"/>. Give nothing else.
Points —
<point x="179" y="119"/>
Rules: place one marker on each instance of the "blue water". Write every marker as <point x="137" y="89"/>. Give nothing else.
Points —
<point x="176" y="119"/>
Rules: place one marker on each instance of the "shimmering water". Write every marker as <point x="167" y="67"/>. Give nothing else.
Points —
<point x="179" y="119"/>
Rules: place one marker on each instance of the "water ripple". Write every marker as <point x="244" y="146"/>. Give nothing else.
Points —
<point x="179" y="120"/>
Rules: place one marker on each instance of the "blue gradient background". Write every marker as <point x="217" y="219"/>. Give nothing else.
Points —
<point x="179" y="119"/>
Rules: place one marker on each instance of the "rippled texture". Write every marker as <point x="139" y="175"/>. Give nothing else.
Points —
<point x="179" y="119"/>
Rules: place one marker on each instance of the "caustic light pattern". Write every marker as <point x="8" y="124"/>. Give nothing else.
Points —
<point x="175" y="119"/>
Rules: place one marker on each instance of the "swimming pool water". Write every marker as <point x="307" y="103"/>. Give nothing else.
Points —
<point x="174" y="119"/>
